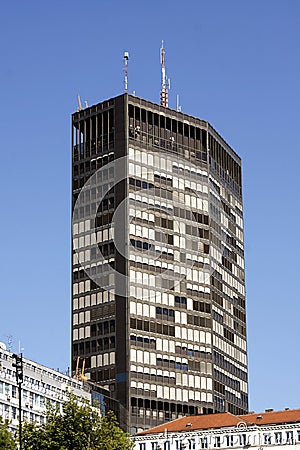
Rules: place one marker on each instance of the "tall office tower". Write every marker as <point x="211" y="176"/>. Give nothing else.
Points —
<point x="158" y="261"/>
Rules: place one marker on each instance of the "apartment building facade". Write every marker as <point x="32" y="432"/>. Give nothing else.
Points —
<point x="41" y="386"/>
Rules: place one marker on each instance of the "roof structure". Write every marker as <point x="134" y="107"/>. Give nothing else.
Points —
<point x="273" y="417"/>
<point x="201" y="422"/>
<point x="221" y="420"/>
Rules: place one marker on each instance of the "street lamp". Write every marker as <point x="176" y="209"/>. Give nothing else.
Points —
<point x="18" y="364"/>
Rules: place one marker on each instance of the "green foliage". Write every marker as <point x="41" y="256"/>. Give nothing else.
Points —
<point x="7" y="442"/>
<point x="111" y="436"/>
<point x="79" y="427"/>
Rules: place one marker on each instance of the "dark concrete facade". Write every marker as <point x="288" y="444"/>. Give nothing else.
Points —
<point x="158" y="266"/>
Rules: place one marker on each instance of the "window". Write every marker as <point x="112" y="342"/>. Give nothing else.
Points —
<point x="142" y="446"/>
<point x="278" y="438"/>
<point x="267" y="438"/>
<point x="229" y="441"/>
<point x="243" y="439"/>
<point x="14" y="391"/>
<point x="298" y="435"/>
<point x="192" y="444"/>
<point x="14" y="412"/>
<point x="289" y="437"/>
<point x="180" y="302"/>
<point x="182" y="445"/>
<point x="217" y="443"/>
<point x="203" y="442"/>
<point x="181" y="366"/>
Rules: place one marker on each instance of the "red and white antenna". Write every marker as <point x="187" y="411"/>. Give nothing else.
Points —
<point x="125" y="59"/>
<point x="165" y="82"/>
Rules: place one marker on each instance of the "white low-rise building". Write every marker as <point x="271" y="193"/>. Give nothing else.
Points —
<point x="225" y="431"/>
<point x="40" y="387"/>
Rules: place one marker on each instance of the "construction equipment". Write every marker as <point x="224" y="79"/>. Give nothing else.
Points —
<point x="80" y="376"/>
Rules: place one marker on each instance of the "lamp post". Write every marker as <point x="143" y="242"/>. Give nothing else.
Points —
<point x="18" y="364"/>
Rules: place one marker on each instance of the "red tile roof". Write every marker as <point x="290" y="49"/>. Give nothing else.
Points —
<point x="220" y="420"/>
<point x="202" y="422"/>
<point x="273" y="417"/>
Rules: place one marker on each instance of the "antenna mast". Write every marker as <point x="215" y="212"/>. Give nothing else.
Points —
<point x="125" y="59"/>
<point x="178" y="106"/>
<point x="165" y="82"/>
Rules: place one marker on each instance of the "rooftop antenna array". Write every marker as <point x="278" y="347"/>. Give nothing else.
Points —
<point x="80" y="107"/>
<point x="165" y="82"/>
<point x="178" y="105"/>
<point x="125" y="59"/>
<point x="9" y="342"/>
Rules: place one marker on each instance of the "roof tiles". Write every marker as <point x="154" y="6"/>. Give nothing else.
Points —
<point x="273" y="417"/>
<point x="202" y="422"/>
<point x="220" y="420"/>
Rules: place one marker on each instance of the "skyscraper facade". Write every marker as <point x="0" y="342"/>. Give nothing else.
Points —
<point x="158" y="261"/>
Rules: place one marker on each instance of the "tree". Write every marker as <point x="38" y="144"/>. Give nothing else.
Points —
<point x="7" y="442"/>
<point x="111" y="436"/>
<point x="79" y="427"/>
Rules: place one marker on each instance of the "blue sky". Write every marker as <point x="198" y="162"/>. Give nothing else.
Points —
<point x="235" y="64"/>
